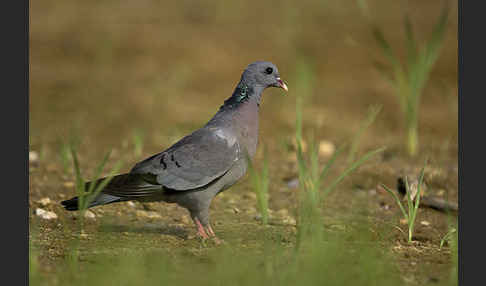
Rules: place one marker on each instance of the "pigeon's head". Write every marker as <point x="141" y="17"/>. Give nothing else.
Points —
<point x="263" y="74"/>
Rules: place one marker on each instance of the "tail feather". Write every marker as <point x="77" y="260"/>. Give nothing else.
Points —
<point x="102" y="199"/>
<point x="122" y="187"/>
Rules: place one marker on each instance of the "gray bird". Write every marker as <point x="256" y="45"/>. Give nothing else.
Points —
<point x="199" y="166"/>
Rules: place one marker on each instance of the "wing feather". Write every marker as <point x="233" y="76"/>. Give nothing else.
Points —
<point x="194" y="161"/>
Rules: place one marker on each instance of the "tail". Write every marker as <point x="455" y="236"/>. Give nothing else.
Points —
<point x="121" y="188"/>
<point x="102" y="199"/>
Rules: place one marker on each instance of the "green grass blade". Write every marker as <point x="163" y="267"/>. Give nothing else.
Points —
<point x="329" y="163"/>
<point x="399" y="203"/>
<point x="354" y="166"/>
<point x="103" y="183"/>
<point x="409" y="198"/>
<point x="98" y="171"/>
<point x="411" y="43"/>
<point x="383" y="44"/>
<point x="419" y="189"/>
<point x="80" y="184"/>
<point x="435" y="41"/>
<point x="385" y="73"/>
<point x="373" y="112"/>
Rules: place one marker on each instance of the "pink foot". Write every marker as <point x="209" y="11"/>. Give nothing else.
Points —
<point x="200" y="229"/>
<point x="213" y="235"/>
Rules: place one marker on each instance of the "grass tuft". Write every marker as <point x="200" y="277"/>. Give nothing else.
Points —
<point x="312" y="175"/>
<point x="410" y="77"/>
<point x="412" y="204"/>
<point x="260" y="185"/>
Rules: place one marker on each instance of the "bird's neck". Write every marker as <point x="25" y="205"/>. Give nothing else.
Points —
<point x="240" y="112"/>
<point x="244" y="93"/>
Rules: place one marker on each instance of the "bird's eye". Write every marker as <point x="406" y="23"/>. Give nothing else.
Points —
<point x="269" y="70"/>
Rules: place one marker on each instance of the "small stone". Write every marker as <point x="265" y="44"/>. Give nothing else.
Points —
<point x="384" y="206"/>
<point x="131" y="204"/>
<point x="403" y="221"/>
<point x="293" y="183"/>
<point x="147" y="214"/>
<point x="89" y="214"/>
<point x="45" y="214"/>
<point x="236" y="210"/>
<point x="441" y="192"/>
<point x="326" y="148"/>
<point x="69" y="184"/>
<point x="425" y="223"/>
<point x="33" y="157"/>
<point x="44" y="201"/>
<point x="289" y="220"/>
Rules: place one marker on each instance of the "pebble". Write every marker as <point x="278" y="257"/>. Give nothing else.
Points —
<point x="384" y="206"/>
<point x="293" y="183"/>
<point x="45" y="214"/>
<point x="89" y="214"/>
<point x="403" y="221"/>
<point x="425" y="223"/>
<point x="68" y="184"/>
<point x="147" y="214"/>
<point x="131" y="204"/>
<point x="326" y="148"/>
<point x="44" y="201"/>
<point x="236" y="210"/>
<point x="289" y="220"/>
<point x="33" y="157"/>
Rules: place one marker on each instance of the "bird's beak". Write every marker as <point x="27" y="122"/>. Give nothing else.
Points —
<point x="282" y="84"/>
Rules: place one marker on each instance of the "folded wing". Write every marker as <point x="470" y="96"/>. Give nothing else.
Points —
<point x="193" y="162"/>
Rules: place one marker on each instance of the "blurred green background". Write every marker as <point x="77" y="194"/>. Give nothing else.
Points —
<point x="105" y="68"/>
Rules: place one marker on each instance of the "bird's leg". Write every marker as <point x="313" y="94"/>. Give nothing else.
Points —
<point x="204" y="229"/>
<point x="212" y="235"/>
<point x="210" y="231"/>
<point x="200" y="229"/>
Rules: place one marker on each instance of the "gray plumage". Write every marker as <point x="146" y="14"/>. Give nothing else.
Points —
<point x="208" y="161"/>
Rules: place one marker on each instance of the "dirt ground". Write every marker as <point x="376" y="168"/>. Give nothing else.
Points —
<point x="103" y="72"/>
